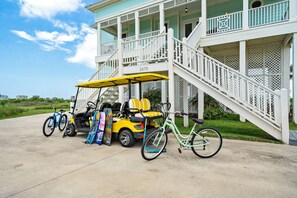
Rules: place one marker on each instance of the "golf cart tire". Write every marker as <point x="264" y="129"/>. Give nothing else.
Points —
<point x="126" y="138"/>
<point x="70" y="130"/>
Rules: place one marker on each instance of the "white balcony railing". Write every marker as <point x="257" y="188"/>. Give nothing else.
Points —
<point x="264" y="15"/>
<point x="108" y="47"/>
<point x="145" y="49"/>
<point x="224" y="23"/>
<point x="272" y="13"/>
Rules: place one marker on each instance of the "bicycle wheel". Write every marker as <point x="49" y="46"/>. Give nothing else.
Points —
<point x="63" y="122"/>
<point x="154" y="145"/>
<point x="206" y="142"/>
<point x="49" y="126"/>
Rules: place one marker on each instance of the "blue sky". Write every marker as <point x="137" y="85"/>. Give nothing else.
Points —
<point x="46" y="47"/>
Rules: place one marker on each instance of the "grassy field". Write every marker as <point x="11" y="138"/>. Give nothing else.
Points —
<point x="13" y="108"/>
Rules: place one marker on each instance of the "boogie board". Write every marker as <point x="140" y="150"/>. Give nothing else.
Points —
<point x="100" y="129"/>
<point x="108" y="126"/>
<point x="93" y="129"/>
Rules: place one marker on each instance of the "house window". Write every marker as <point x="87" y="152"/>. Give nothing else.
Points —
<point x="256" y="4"/>
<point x="188" y="29"/>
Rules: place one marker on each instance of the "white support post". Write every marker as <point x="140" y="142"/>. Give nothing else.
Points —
<point x="99" y="39"/>
<point x="137" y="25"/>
<point x="200" y="96"/>
<point x="285" y="70"/>
<point x="137" y="31"/>
<point x="162" y="17"/>
<point x="200" y="104"/>
<point x="294" y="58"/>
<point x="186" y="103"/>
<point x="292" y="10"/>
<point x="171" y="72"/>
<point x="284" y="116"/>
<point x="277" y="107"/>
<point x="245" y="15"/>
<point x="164" y="92"/>
<point x="120" y="51"/>
<point x="203" y="16"/>
<point x="242" y="70"/>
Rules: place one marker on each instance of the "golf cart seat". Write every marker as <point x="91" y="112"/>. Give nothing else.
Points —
<point x="116" y="108"/>
<point x="135" y="106"/>
<point x="124" y="112"/>
<point x="104" y="105"/>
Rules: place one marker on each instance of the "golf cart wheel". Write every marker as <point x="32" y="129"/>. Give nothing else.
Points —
<point x="126" y="138"/>
<point x="70" y="130"/>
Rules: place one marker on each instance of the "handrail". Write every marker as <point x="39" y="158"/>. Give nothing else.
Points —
<point x="247" y="91"/>
<point x="195" y="35"/>
<point x="85" y="94"/>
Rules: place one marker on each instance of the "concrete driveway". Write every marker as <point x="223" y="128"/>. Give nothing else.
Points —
<point x="32" y="165"/>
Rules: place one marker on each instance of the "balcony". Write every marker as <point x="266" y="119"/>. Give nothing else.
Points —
<point x="264" y="15"/>
<point x="109" y="47"/>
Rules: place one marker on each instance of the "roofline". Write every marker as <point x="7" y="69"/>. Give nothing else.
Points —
<point x="143" y="5"/>
<point x="101" y="4"/>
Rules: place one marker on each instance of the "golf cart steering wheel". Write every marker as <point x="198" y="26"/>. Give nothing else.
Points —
<point x="91" y="105"/>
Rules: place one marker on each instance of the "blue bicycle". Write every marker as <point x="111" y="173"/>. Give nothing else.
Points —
<point x="57" y="119"/>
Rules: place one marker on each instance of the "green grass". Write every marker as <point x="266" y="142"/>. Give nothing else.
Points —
<point x="231" y="129"/>
<point x="16" y="108"/>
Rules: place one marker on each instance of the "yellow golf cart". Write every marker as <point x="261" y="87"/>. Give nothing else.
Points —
<point x="130" y="119"/>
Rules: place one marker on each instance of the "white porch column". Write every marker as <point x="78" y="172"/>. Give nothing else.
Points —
<point x="285" y="69"/>
<point x="163" y="91"/>
<point x="292" y="10"/>
<point x="120" y="51"/>
<point x="284" y="116"/>
<point x="242" y="70"/>
<point x="137" y="31"/>
<point x="245" y="15"/>
<point x="162" y="28"/>
<point x="171" y="72"/>
<point x="200" y="97"/>
<point x="98" y="39"/>
<point x="186" y="103"/>
<point x="203" y="16"/>
<point x="162" y="17"/>
<point x="294" y="58"/>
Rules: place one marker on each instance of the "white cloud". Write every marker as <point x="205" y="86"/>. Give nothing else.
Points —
<point x="23" y="35"/>
<point x="48" y="8"/>
<point x="86" y="51"/>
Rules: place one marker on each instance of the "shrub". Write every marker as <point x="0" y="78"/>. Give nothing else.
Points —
<point x="154" y="95"/>
<point x="9" y="111"/>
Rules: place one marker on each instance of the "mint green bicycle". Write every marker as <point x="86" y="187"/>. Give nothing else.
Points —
<point x="205" y="142"/>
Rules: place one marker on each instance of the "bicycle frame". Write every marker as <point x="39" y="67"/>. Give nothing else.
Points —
<point x="184" y="141"/>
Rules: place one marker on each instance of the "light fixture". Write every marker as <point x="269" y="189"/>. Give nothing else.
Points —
<point x="186" y="10"/>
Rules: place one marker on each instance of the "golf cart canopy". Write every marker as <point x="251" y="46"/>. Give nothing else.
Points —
<point x="123" y="80"/>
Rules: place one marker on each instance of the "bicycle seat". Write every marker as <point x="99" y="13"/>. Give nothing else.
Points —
<point x="62" y="111"/>
<point x="198" y="121"/>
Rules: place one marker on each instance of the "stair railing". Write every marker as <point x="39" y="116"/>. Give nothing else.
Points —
<point x="260" y="99"/>
<point x="105" y="70"/>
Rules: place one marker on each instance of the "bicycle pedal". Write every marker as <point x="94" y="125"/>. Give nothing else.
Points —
<point x="179" y="150"/>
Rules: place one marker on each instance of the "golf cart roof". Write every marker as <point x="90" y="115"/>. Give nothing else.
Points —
<point x="123" y="80"/>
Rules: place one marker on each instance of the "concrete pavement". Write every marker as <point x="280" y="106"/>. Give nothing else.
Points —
<point x="32" y="165"/>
